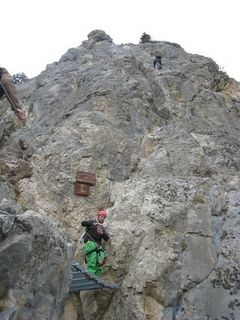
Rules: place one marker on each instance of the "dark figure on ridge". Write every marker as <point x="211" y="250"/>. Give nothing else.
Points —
<point x="157" y="63"/>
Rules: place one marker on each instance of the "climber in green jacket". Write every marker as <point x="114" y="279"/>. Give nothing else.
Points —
<point x="95" y="255"/>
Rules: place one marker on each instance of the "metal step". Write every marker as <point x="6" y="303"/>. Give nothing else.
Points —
<point x="83" y="281"/>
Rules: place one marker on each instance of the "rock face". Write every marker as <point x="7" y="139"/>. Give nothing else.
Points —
<point x="34" y="265"/>
<point x="165" y="147"/>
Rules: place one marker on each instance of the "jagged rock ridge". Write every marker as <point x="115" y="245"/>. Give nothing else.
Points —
<point x="165" y="148"/>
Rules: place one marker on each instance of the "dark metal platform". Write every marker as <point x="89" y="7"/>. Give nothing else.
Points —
<point x="82" y="280"/>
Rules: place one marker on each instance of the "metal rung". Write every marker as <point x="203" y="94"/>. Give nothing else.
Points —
<point x="82" y="280"/>
<point x="81" y="283"/>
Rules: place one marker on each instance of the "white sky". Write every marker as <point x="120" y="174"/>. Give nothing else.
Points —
<point x="35" y="33"/>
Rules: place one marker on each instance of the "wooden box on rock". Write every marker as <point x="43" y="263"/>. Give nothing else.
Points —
<point x="83" y="182"/>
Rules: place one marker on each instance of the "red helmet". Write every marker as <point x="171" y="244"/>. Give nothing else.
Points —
<point x="102" y="213"/>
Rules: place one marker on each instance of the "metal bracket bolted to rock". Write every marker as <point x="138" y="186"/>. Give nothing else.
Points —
<point x="83" y="182"/>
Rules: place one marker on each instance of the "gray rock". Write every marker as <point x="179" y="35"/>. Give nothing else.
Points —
<point x="99" y="35"/>
<point x="10" y="207"/>
<point x="164" y="145"/>
<point x="32" y="257"/>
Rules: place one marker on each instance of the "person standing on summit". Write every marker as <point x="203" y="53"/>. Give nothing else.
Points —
<point x="7" y="88"/>
<point x="157" y="63"/>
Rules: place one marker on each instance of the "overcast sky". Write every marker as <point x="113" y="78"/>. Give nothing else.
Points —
<point x="35" y="33"/>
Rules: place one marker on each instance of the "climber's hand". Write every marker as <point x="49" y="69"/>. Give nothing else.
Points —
<point x="21" y="115"/>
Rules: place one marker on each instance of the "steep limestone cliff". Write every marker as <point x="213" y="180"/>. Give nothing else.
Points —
<point x="165" y="147"/>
